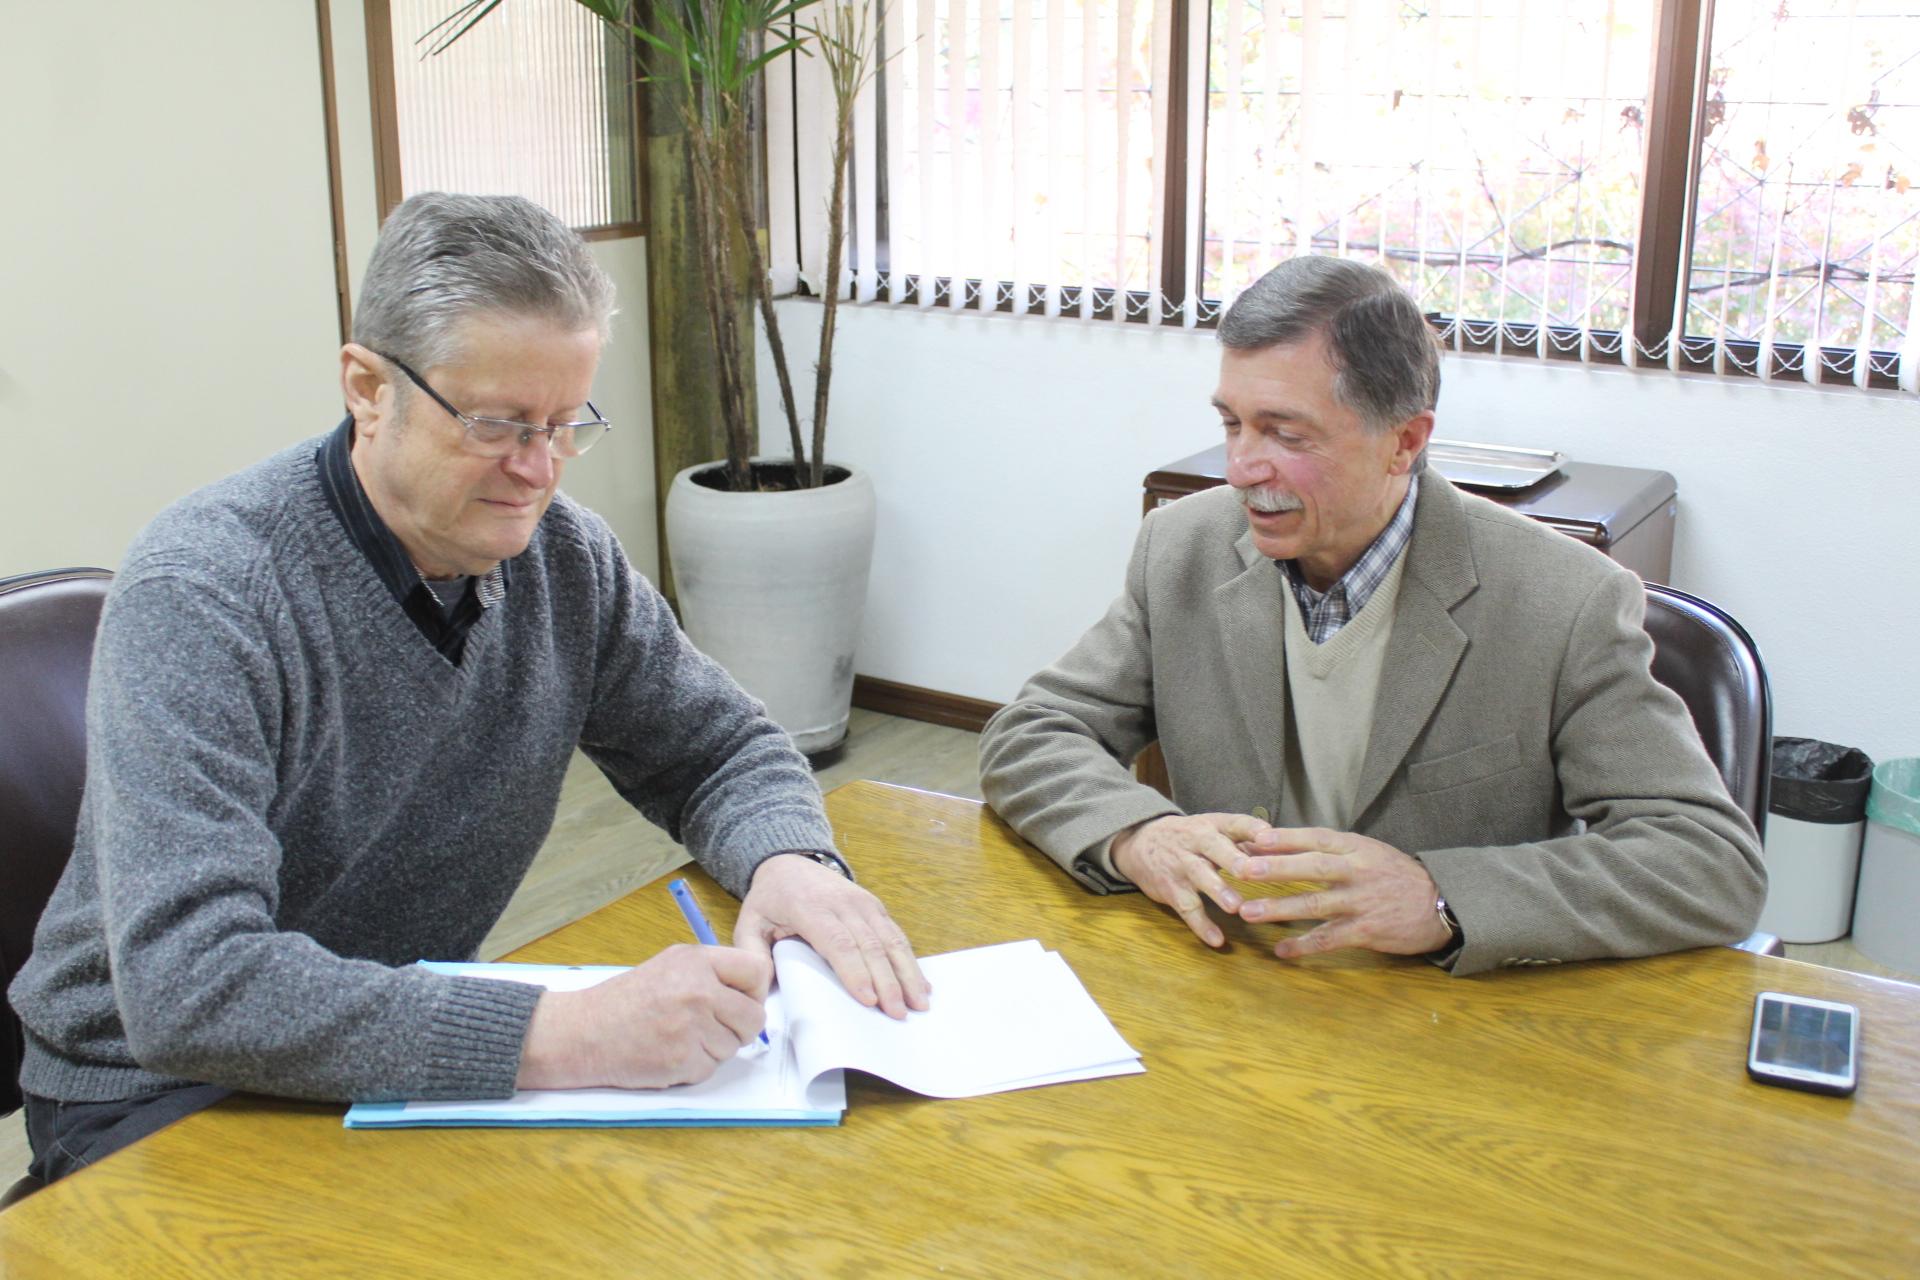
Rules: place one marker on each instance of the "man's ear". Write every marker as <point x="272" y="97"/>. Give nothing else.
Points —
<point x="1409" y="438"/>
<point x="368" y="390"/>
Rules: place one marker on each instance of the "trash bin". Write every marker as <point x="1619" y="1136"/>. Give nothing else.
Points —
<point x="1888" y="907"/>
<point x="1816" y="814"/>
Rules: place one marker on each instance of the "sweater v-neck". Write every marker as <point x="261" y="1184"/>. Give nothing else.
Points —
<point x="341" y="562"/>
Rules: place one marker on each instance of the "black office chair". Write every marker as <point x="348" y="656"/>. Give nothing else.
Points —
<point x="1707" y="658"/>
<point x="47" y="622"/>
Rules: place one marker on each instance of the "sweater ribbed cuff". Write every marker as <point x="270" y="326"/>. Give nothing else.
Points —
<point x="479" y="1027"/>
<point x="764" y="836"/>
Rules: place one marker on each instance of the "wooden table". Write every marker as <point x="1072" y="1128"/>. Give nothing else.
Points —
<point x="1347" y="1115"/>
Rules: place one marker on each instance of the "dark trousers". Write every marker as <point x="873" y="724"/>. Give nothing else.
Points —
<point x="72" y="1135"/>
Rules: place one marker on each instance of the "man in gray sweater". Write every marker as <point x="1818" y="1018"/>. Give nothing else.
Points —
<point x="333" y="700"/>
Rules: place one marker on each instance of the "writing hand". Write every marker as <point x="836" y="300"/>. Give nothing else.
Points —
<point x="672" y="1020"/>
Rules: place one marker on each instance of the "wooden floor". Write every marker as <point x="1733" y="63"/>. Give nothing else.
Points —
<point x="600" y="849"/>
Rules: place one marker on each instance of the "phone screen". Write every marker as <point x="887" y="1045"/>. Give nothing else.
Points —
<point x="1805" y="1037"/>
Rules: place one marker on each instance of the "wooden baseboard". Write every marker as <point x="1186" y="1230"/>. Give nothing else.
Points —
<point x="929" y="705"/>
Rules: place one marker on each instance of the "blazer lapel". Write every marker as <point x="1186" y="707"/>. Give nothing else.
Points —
<point x="1253" y="629"/>
<point x="1426" y="644"/>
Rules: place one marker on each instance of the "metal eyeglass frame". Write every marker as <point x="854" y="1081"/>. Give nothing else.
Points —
<point x="526" y="430"/>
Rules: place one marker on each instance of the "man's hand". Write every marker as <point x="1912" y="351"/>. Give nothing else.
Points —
<point x="796" y="897"/>
<point x="672" y="1020"/>
<point x="1177" y="858"/>
<point x="1377" y="897"/>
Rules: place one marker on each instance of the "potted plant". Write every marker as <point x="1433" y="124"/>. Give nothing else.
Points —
<point x="770" y="556"/>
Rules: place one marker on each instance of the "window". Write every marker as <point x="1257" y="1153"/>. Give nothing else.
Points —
<point x="538" y="100"/>
<point x="1806" y="223"/>
<point x="1571" y="180"/>
<point x="1488" y="155"/>
<point x="1027" y="140"/>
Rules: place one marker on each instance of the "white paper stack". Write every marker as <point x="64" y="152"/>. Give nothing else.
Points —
<point x="1010" y="1016"/>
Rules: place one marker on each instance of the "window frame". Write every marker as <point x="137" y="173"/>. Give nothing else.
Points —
<point x="388" y="186"/>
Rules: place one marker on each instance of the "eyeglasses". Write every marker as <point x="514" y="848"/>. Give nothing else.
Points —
<point x="503" y="437"/>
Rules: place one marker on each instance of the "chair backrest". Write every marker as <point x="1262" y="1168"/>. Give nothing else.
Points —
<point x="1707" y="658"/>
<point x="47" y="621"/>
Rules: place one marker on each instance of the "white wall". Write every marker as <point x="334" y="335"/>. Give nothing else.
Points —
<point x="616" y="479"/>
<point x="167" y="309"/>
<point x="1008" y="454"/>
<point x="166" y="269"/>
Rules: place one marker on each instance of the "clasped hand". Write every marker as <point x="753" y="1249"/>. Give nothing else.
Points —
<point x="1375" y="896"/>
<point x="677" y="1017"/>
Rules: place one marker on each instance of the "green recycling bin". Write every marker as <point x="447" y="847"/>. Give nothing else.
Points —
<point x="1887" y="904"/>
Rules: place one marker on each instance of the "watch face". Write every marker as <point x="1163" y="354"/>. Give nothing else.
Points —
<point x="830" y="862"/>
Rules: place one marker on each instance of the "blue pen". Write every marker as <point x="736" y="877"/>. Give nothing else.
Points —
<point x="697" y="921"/>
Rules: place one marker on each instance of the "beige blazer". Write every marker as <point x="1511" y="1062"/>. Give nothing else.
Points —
<point x="1520" y="748"/>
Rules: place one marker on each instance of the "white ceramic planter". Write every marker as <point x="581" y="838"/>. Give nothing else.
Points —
<point x="772" y="586"/>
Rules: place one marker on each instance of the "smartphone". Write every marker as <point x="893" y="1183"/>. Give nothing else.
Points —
<point x="1802" y="1043"/>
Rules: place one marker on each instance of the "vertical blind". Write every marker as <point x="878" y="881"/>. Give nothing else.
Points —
<point x="1487" y="154"/>
<point x="1020" y="158"/>
<point x="536" y="101"/>
<point x="1807" y="224"/>
<point x="1017" y="155"/>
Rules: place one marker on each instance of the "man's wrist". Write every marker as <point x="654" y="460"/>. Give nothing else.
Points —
<point x="547" y="1054"/>
<point x="1456" y="936"/>
<point x="825" y="857"/>
<point x="1118" y="842"/>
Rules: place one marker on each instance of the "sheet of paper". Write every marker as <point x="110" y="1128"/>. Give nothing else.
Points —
<point x="1009" y="1016"/>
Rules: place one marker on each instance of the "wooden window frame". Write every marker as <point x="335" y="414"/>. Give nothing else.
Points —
<point x="388" y="187"/>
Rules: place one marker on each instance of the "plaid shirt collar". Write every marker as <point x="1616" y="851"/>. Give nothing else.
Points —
<point x="1325" y="612"/>
<point x="390" y="561"/>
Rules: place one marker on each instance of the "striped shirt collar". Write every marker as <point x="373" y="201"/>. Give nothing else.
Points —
<point x="390" y="561"/>
<point x="1323" y="613"/>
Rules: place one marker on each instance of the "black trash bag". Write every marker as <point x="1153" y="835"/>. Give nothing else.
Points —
<point x="1817" y="781"/>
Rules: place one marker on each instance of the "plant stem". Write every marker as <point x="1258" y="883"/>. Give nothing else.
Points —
<point x="763" y="291"/>
<point x="830" y="303"/>
<point x="717" y="248"/>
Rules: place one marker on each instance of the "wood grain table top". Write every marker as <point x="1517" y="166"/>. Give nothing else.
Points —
<point x="1349" y="1114"/>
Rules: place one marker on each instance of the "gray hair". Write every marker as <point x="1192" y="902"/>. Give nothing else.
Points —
<point x="1386" y="359"/>
<point x="443" y="260"/>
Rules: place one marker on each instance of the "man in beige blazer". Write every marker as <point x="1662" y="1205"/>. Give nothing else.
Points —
<point x="1436" y="711"/>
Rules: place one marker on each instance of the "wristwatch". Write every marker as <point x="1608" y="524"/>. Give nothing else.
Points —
<point x="831" y="861"/>
<point x="1455" y="934"/>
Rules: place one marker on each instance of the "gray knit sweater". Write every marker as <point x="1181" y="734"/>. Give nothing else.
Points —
<point x="291" y="797"/>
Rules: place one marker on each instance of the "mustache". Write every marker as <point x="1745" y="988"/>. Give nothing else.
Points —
<point x="1270" y="500"/>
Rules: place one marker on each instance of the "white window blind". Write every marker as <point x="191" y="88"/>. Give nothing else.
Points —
<point x="536" y="101"/>
<point x="1144" y="161"/>
<point x="1019" y="159"/>
<point x="1807" y="225"/>
<point x="1487" y="154"/>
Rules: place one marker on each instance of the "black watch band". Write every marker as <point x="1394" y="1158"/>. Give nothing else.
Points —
<point x="831" y="861"/>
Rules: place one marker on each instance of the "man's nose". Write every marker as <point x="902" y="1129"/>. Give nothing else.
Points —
<point x="533" y="464"/>
<point x="1246" y="467"/>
